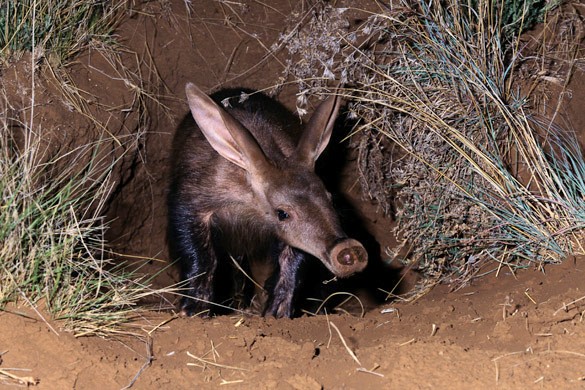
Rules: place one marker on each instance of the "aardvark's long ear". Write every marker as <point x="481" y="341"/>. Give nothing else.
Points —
<point x="223" y="132"/>
<point x="318" y="131"/>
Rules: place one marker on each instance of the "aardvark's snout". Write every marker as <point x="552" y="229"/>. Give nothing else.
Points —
<point x="348" y="257"/>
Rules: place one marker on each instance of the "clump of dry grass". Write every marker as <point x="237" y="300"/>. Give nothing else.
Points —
<point x="56" y="29"/>
<point x="446" y="140"/>
<point x="52" y="246"/>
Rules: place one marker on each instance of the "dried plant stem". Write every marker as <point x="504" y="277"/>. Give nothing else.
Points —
<point x="349" y="351"/>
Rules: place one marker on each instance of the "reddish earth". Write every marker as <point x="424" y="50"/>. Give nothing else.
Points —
<point x="511" y="331"/>
<point x="504" y="332"/>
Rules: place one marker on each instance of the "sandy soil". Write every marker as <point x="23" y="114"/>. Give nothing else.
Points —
<point x="507" y="332"/>
<point x="511" y="331"/>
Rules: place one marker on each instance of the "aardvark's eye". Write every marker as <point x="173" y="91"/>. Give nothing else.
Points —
<point x="282" y="215"/>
